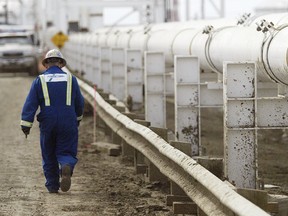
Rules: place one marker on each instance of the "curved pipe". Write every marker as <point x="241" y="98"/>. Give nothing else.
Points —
<point x="274" y="56"/>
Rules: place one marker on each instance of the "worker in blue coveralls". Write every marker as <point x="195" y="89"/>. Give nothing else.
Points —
<point x="61" y="110"/>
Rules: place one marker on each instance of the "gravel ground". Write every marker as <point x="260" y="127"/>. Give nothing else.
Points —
<point x="101" y="185"/>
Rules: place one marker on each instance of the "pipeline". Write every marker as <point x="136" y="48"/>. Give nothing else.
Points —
<point x="261" y="39"/>
<point x="255" y="40"/>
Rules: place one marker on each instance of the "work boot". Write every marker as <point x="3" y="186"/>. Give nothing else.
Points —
<point x="65" y="183"/>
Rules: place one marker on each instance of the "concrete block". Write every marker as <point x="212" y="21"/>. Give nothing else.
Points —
<point x="143" y="122"/>
<point x="162" y="132"/>
<point x="100" y="90"/>
<point x="154" y="174"/>
<point x="272" y="207"/>
<point x="170" y="199"/>
<point x="282" y="201"/>
<point x="127" y="150"/>
<point x="184" y="147"/>
<point x="201" y="213"/>
<point x="176" y="190"/>
<point x="134" y="116"/>
<point x="141" y="168"/>
<point x="100" y="122"/>
<point x="110" y="148"/>
<point x="184" y="208"/>
<point x="258" y="197"/>
<point x="107" y="130"/>
<point x="116" y="138"/>
<point x="104" y="95"/>
<point x="119" y="108"/>
<point x="111" y="102"/>
<point x="138" y="158"/>
<point x="214" y="165"/>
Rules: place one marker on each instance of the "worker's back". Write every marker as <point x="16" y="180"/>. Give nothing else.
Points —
<point x="56" y="81"/>
<point x="57" y="98"/>
<point x="58" y="95"/>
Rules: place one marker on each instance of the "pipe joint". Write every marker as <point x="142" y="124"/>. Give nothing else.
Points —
<point x="266" y="26"/>
<point x="242" y="20"/>
<point x="208" y="29"/>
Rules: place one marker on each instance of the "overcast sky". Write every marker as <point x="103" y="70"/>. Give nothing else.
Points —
<point x="233" y="8"/>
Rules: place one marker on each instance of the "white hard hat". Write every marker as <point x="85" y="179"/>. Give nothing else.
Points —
<point x="54" y="53"/>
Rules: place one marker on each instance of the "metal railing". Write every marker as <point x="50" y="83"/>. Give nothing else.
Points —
<point x="210" y="194"/>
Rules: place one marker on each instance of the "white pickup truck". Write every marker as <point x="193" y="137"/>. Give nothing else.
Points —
<point x="18" y="53"/>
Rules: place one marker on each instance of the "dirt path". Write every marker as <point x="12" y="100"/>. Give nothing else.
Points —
<point x="101" y="185"/>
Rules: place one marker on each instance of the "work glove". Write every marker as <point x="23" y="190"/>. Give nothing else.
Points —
<point x="26" y="130"/>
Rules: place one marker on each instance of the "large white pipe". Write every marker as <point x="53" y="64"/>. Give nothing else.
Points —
<point x="234" y="44"/>
<point x="229" y="43"/>
<point x="224" y="42"/>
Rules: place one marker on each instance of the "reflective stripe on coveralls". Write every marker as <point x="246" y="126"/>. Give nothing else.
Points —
<point x="69" y="90"/>
<point x="46" y="93"/>
<point x="26" y="123"/>
<point x="45" y="90"/>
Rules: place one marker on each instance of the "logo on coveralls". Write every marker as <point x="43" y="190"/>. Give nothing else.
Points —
<point x="55" y="77"/>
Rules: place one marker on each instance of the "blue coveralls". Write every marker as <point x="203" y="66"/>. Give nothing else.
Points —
<point x="61" y="107"/>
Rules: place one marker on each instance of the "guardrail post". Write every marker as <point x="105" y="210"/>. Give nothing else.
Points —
<point x="177" y="193"/>
<point x="118" y="71"/>
<point x="134" y="78"/>
<point x="127" y="150"/>
<point x="115" y="137"/>
<point x="155" y="99"/>
<point x="213" y="164"/>
<point x="108" y="130"/>
<point x="177" y="198"/>
<point x="187" y="111"/>
<point x="153" y="173"/>
<point x="139" y="161"/>
<point x="105" y="68"/>
<point x="240" y="152"/>
<point x="100" y="122"/>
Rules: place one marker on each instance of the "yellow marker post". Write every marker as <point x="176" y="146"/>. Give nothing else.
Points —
<point x="59" y="39"/>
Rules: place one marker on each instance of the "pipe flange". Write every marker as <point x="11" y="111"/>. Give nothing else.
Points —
<point x="269" y="36"/>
